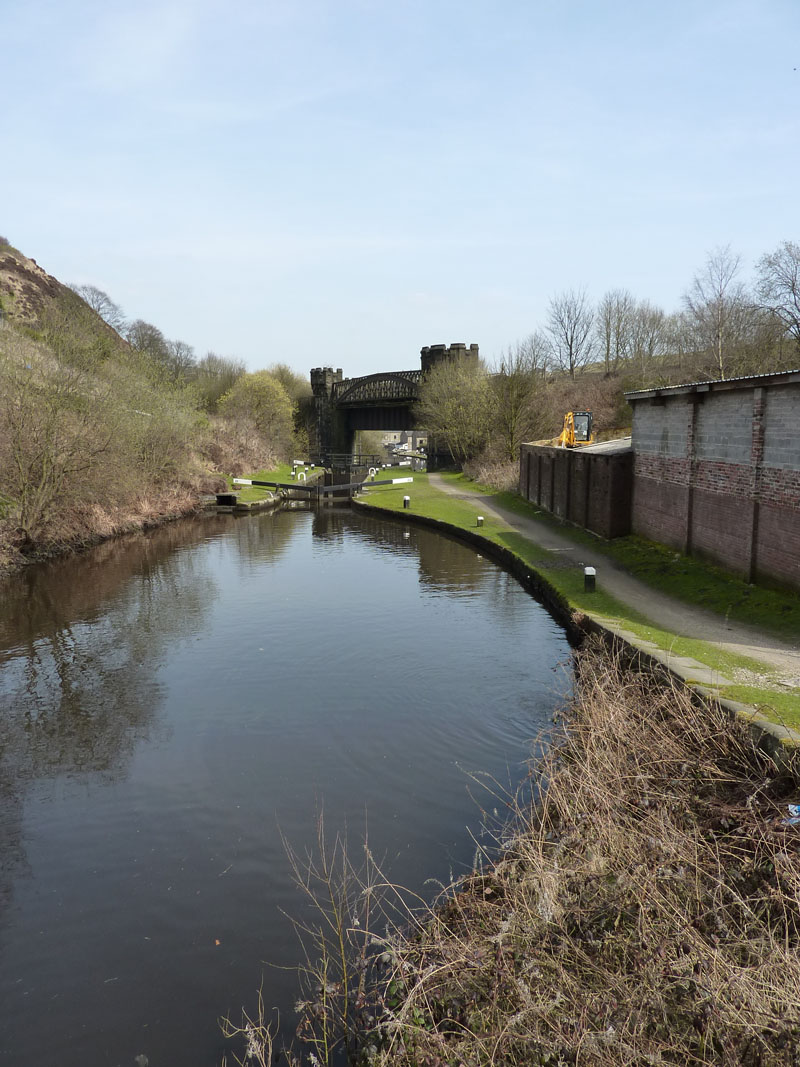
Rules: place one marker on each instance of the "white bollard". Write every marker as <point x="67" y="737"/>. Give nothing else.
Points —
<point x="480" y="520"/>
<point x="589" y="576"/>
<point x="406" y="501"/>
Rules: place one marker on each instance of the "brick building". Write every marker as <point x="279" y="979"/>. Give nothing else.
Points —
<point x="711" y="468"/>
<point x="717" y="472"/>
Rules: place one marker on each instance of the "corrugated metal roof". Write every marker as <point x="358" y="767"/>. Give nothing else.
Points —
<point x="661" y="390"/>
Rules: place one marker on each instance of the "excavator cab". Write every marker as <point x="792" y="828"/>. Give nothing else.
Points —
<point x="577" y="429"/>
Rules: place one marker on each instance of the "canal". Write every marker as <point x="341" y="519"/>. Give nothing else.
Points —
<point x="173" y="704"/>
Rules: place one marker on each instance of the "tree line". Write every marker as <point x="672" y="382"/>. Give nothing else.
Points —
<point x="588" y="355"/>
<point x="105" y="422"/>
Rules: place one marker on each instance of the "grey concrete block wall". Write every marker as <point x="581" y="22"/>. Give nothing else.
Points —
<point x="725" y="427"/>
<point x="781" y="437"/>
<point x="661" y="429"/>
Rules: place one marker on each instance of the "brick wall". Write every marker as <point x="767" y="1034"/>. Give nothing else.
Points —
<point x="717" y="474"/>
<point x="591" y="489"/>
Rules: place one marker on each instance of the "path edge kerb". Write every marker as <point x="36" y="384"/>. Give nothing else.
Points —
<point x="781" y="743"/>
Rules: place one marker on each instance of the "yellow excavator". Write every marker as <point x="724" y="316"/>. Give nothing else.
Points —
<point x="577" y="429"/>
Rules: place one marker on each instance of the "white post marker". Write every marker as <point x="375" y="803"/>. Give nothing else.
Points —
<point x="406" y="499"/>
<point x="589" y="576"/>
<point x="480" y="520"/>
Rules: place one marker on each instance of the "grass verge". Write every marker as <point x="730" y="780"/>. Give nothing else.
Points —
<point x="689" y="579"/>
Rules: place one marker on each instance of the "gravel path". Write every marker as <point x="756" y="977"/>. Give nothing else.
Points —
<point x="685" y="620"/>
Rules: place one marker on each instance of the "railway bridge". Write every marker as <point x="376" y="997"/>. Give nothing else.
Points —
<point x="383" y="401"/>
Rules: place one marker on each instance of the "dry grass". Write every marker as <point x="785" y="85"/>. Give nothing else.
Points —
<point x="645" y="911"/>
<point x="500" y="474"/>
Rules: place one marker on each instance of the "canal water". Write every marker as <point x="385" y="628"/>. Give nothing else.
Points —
<point x="173" y="704"/>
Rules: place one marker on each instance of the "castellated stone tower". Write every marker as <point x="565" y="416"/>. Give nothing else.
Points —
<point x="322" y="382"/>
<point x="433" y="354"/>
<point x="322" y="379"/>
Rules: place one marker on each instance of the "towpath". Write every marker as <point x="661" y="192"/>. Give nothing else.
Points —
<point x="782" y="660"/>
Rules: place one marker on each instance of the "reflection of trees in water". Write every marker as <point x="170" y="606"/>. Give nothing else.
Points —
<point x="264" y="536"/>
<point x="12" y="850"/>
<point x="384" y="534"/>
<point x="445" y="563"/>
<point x="330" y="524"/>
<point x="80" y="643"/>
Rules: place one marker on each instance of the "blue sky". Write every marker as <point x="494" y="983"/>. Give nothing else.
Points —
<point x="341" y="183"/>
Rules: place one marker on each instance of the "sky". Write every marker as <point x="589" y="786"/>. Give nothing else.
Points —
<point x="341" y="182"/>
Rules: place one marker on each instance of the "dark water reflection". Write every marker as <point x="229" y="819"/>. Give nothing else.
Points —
<point x="170" y="704"/>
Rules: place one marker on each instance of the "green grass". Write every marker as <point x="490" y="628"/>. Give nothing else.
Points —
<point x="775" y="705"/>
<point x="567" y="580"/>
<point x="694" y="581"/>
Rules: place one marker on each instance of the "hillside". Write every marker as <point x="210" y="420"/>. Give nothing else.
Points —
<point x="26" y="291"/>
<point x="94" y="438"/>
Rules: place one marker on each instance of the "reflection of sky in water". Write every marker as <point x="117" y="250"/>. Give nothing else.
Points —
<point x="176" y="706"/>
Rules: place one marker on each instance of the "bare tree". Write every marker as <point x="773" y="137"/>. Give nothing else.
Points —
<point x="55" y="426"/>
<point x="296" y="385"/>
<point x="103" y="304"/>
<point x="613" y="327"/>
<point x="716" y="302"/>
<point x="214" y="376"/>
<point x="569" y="322"/>
<point x="181" y="358"/>
<point x="519" y="385"/>
<point x="679" y="341"/>
<point x="147" y="339"/>
<point x="647" y="338"/>
<point x="779" y="285"/>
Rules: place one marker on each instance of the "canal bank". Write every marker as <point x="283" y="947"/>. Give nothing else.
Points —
<point x="752" y="674"/>
<point x="643" y="908"/>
